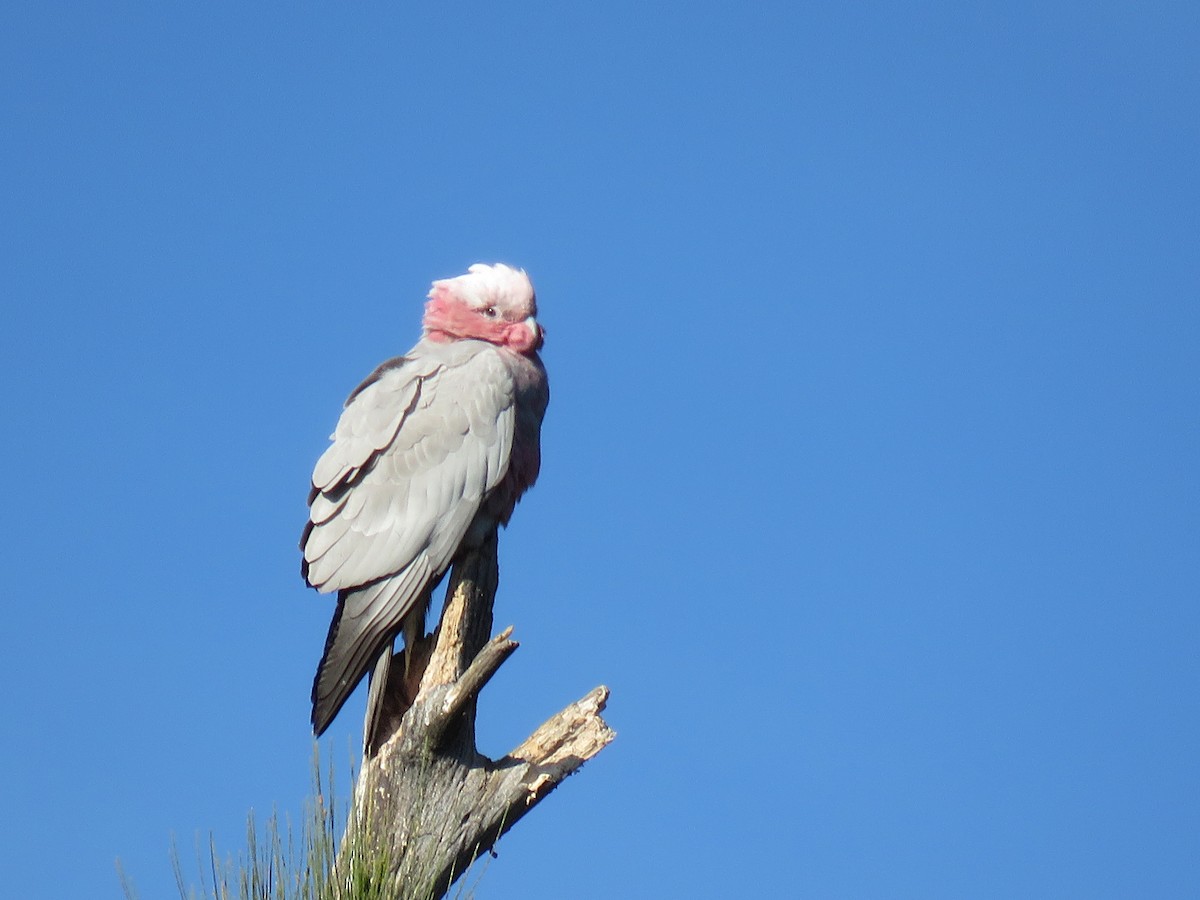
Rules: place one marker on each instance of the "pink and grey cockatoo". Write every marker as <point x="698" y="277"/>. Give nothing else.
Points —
<point x="430" y="455"/>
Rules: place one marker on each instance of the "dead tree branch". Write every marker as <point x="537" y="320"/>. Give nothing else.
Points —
<point x="427" y="802"/>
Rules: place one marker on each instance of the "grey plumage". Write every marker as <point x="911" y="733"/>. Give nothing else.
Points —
<point x="431" y="452"/>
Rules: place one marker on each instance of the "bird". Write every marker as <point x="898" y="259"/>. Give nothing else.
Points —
<point x="430" y="455"/>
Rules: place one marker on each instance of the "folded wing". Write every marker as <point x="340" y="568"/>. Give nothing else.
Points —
<point x="417" y="449"/>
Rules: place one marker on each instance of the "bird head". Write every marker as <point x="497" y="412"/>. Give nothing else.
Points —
<point x="489" y="303"/>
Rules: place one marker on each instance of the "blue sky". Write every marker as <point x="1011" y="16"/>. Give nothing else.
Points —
<point x="870" y="475"/>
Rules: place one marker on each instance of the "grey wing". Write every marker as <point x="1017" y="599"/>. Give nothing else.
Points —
<point x="386" y="521"/>
<point x="412" y="458"/>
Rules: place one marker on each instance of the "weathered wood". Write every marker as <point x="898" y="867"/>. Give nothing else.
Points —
<point x="427" y="802"/>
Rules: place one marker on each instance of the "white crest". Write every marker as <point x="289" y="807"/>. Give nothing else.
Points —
<point x="485" y="285"/>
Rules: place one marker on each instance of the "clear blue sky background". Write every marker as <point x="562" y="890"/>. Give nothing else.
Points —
<point x="871" y="473"/>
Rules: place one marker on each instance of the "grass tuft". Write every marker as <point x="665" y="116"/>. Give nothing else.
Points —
<point x="281" y="862"/>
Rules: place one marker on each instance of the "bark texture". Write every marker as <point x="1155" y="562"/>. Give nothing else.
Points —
<point x="427" y="803"/>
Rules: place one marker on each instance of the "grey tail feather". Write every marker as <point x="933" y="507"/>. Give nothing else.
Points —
<point x="345" y="661"/>
<point x="364" y="626"/>
<point x="327" y="700"/>
<point x="375" y="692"/>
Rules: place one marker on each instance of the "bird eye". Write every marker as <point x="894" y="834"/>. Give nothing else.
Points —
<point x="490" y="312"/>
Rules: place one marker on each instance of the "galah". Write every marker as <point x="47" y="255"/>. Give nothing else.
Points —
<point x="431" y="453"/>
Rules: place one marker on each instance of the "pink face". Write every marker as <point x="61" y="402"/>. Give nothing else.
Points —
<point x="508" y="322"/>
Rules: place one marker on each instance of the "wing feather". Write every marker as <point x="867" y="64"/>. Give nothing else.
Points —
<point x="373" y="414"/>
<point x="323" y="507"/>
<point x="409" y="470"/>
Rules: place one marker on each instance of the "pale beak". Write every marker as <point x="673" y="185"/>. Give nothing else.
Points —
<point x="535" y="331"/>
